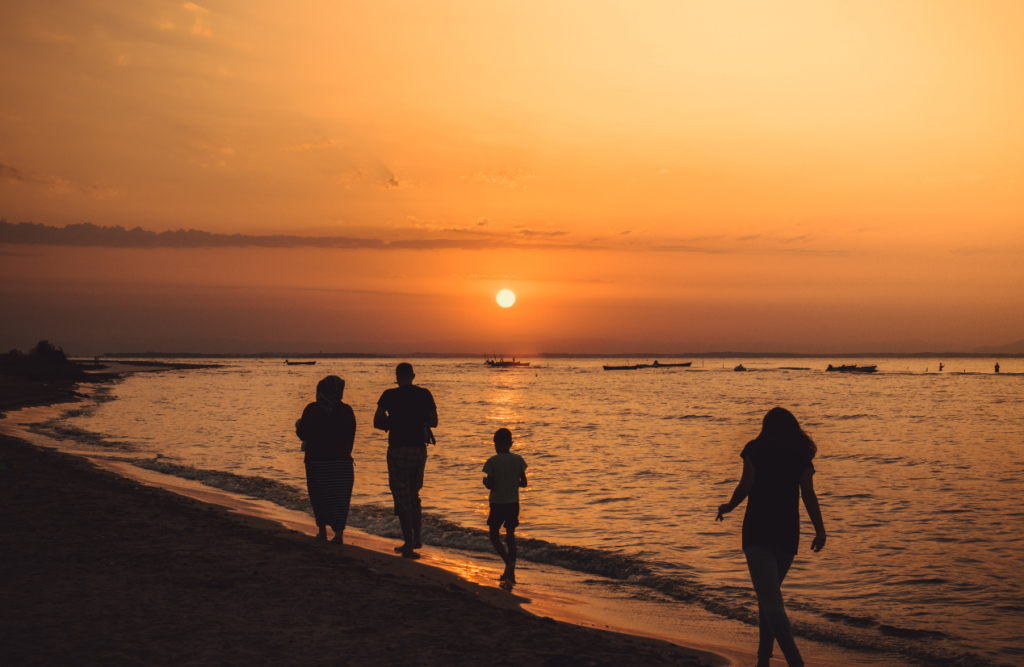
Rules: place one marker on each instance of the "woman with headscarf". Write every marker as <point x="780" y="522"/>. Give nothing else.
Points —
<point x="328" y="430"/>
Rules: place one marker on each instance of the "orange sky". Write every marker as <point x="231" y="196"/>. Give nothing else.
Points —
<point x="649" y="175"/>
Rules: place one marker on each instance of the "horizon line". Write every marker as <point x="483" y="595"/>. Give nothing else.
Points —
<point x="550" y="355"/>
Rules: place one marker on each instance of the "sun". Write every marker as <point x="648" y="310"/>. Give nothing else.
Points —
<point x="506" y="298"/>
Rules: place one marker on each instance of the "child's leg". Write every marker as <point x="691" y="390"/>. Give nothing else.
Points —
<point x="510" y="563"/>
<point x="498" y="546"/>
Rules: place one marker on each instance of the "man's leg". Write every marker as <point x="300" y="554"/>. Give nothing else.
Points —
<point x="398" y="480"/>
<point x="415" y="484"/>
<point x="417" y="522"/>
<point x="405" y="519"/>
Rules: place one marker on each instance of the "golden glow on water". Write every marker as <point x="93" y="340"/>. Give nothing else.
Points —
<point x="914" y="468"/>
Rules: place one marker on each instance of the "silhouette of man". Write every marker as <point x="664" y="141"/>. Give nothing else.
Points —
<point x="997" y="367"/>
<point x="404" y="412"/>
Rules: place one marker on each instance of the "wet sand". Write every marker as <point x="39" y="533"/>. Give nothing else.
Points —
<point x="138" y="538"/>
<point x="100" y="569"/>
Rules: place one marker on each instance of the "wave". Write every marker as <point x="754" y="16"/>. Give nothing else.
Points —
<point x="916" y="645"/>
<point x="911" y="644"/>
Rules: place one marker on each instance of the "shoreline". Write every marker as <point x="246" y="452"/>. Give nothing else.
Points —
<point x="56" y="575"/>
<point x="564" y="355"/>
<point x="132" y="571"/>
<point x="546" y="597"/>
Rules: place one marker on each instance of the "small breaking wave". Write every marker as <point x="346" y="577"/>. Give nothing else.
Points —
<point x="915" y="645"/>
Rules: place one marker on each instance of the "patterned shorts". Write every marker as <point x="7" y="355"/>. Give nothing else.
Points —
<point x="405" y="476"/>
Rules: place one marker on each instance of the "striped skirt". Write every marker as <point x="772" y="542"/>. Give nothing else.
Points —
<point x="330" y="491"/>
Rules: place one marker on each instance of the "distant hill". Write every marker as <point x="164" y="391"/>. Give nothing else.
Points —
<point x="1011" y="348"/>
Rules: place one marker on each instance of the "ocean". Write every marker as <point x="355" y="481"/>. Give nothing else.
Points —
<point x="920" y="475"/>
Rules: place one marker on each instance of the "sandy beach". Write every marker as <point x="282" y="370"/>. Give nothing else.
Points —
<point x="99" y="569"/>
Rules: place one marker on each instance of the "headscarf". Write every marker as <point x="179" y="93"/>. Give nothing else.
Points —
<point x="328" y="393"/>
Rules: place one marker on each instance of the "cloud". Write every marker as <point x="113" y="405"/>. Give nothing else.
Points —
<point x="389" y="183"/>
<point x="545" y="232"/>
<point x="88" y="235"/>
<point x="687" y="248"/>
<point x="526" y="279"/>
<point x="478" y="227"/>
<point x="200" y="27"/>
<point x="510" y="177"/>
<point x="52" y="183"/>
<point x="625" y="233"/>
<point x="330" y="143"/>
<point x="812" y="252"/>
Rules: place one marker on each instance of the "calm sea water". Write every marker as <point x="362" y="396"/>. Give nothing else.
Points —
<point x="920" y="475"/>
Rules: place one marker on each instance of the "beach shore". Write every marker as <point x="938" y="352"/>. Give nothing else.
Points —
<point x="99" y="569"/>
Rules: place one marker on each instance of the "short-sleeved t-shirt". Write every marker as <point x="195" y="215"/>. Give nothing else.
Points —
<point x="773" y="506"/>
<point x="408" y="408"/>
<point x="505" y="470"/>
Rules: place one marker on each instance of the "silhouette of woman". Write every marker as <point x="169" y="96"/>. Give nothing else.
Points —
<point x="328" y="430"/>
<point x="777" y="471"/>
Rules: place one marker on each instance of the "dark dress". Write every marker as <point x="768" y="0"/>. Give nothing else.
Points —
<point x="329" y="467"/>
<point x="773" y="507"/>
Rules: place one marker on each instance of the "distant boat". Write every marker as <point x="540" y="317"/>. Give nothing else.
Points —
<point x="853" y="368"/>
<point x="659" y="365"/>
<point x="656" y="364"/>
<point x="300" y="363"/>
<point x="740" y="368"/>
<point x="495" y="363"/>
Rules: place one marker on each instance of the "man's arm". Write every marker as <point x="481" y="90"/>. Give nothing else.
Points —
<point x="432" y="418"/>
<point x="813" y="509"/>
<point x="742" y="489"/>
<point x="489" y="482"/>
<point x="522" y="480"/>
<point x="380" y="419"/>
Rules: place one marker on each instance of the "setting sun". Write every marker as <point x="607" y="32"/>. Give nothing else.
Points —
<point x="506" y="298"/>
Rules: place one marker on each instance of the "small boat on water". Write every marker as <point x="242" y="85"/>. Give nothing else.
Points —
<point x="852" y="368"/>
<point x="495" y="363"/>
<point x="740" y="368"/>
<point x="656" y="364"/>
<point x="300" y="363"/>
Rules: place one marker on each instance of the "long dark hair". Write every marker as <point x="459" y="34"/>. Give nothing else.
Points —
<point x="780" y="424"/>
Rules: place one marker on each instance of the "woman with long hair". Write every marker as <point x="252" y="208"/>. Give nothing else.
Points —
<point x="328" y="430"/>
<point x="777" y="471"/>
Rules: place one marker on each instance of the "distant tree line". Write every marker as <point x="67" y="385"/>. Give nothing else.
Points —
<point x="44" y="361"/>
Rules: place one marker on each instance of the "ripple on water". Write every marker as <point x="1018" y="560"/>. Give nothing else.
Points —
<point x="907" y="467"/>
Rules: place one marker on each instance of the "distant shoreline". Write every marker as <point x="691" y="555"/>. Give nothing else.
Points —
<point x="567" y="355"/>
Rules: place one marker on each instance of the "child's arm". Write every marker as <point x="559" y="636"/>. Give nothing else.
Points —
<point x="742" y="489"/>
<point x="813" y="509"/>
<point x="489" y="482"/>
